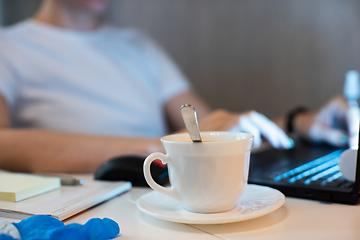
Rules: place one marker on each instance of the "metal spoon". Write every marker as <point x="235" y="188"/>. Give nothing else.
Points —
<point x="188" y="114"/>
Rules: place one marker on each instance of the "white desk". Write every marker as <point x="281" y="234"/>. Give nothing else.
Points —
<point x="136" y="225"/>
<point x="297" y="219"/>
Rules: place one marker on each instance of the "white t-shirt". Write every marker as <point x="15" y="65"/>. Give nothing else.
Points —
<point x="109" y="81"/>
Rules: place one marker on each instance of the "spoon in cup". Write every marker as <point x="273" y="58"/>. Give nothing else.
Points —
<point x="188" y="114"/>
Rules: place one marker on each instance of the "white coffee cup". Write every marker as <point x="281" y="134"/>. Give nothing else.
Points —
<point x="206" y="177"/>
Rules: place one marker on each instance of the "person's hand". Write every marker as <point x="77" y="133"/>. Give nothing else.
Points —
<point x="251" y="122"/>
<point x="336" y="123"/>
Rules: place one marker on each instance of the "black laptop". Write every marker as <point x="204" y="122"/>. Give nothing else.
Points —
<point x="306" y="171"/>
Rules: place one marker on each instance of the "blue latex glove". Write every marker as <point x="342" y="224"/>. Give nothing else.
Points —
<point x="43" y="227"/>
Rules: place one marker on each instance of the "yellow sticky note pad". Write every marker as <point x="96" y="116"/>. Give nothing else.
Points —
<point x="18" y="186"/>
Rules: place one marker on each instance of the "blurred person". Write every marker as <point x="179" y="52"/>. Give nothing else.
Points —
<point x="76" y="91"/>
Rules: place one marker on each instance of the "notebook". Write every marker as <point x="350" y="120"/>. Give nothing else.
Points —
<point x="65" y="201"/>
<point x="306" y="171"/>
<point x="19" y="186"/>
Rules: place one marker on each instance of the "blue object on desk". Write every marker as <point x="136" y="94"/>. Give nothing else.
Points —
<point x="43" y="227"/>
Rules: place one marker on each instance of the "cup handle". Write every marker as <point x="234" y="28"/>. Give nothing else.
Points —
<point x="170" y="191"/>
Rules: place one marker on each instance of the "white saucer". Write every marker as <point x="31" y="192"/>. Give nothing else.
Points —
<point x="256" y="201"/>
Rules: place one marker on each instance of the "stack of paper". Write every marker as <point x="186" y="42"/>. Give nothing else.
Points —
<point x="66" y="201"/>
<point x="19" y="186"/>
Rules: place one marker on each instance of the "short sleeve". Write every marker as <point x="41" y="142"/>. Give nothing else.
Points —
<point x="8" y="80"/>
<point x="171" y="80"/>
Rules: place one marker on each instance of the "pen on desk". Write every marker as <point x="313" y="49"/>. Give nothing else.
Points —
<point x="65" y="180"/>
<point x="70" y="181"/>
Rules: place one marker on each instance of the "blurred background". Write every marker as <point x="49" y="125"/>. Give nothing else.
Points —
<point x="245" y="54"/>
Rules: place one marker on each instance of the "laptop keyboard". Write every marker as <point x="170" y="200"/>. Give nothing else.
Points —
<point x="322" y="171"/>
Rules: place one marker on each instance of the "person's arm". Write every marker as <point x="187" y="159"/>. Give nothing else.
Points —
<point x="46" y="151"/>
<point x="223" y="120"/>
<point x="172" y="109"/>
<point x="335" y="123"/>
